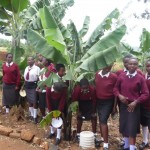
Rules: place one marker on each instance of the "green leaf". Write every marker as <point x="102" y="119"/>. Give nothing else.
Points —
<point x="19" y="5"/>
<point x="99" y="31"/>
<point x="6" y="4"/>
<point x="100" y="59"/>
<point x="48" y="118"/>
<point x="51" y="30"/>
<point x="85" y="27"/>
<point x="73" y="107"/>
<point x="145" y="40"/>
<point x="69" y="75"/>
<point x="41" y="46"/>
<point x="4" y="14"/>
<point x="110" y="40"/>
<point x="85" y="74"/>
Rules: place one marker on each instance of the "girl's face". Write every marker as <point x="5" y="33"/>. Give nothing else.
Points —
<point x="132" y="65"/>
<point x="9" y="58"/>
<point x="107" y="69"/>
<point x="30" y="61"/>
<point x="61" y="72"/>
<point x="148" y="67"/>
<point x="125" y="62"/>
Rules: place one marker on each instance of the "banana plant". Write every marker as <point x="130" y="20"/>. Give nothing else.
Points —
<point x="12" y="23"/>
<point x="143" y="52"/>
<point x="65" y="45"/>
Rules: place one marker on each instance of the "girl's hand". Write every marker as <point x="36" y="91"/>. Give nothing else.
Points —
<point x="123" y="99"/>
<point x="132" y="106"/>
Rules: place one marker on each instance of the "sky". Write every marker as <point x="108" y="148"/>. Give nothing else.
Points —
<point x="99" y="9"/>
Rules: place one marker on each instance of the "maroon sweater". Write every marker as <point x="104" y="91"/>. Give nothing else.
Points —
<point x="11" y="75"/>
<point x="146" y="104"/>
<point x="134" y="88"/>
<point x="78" y="95"/>
<point x="122" y="71"/>
<point x="104" y="86"/>
<point x="53" y="96"/>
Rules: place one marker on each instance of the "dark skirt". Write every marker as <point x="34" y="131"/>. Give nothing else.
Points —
<point x="42" y="100"/>
<point x="145" y="117"/>
<point x="85" y="108"/>
<point x="104" y="109"/>
<point x="129" y="121"/>
<point x="10" y="95"/>
<point x="31" y="93"/>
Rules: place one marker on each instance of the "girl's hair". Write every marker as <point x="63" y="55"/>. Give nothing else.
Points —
<point x="83" y="82"/>
<point x="8" y="54"/>
<point x="134" y="58"/>
<point x="48" y="61"/>
<point x="58" y="66"/>
<point x="127" y="56"/>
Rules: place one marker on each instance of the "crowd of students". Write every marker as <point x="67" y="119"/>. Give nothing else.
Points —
<point x="127" y="89"/>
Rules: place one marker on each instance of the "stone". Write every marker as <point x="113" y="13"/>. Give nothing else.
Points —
<point x="45" y="145"/>
<point x="14" y="135"/>
<point x="5" y="130"/>
<point x="36" y="140"/>
<point x="27" y="135"/>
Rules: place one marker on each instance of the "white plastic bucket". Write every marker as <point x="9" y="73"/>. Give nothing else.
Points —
<point x="87" y="139"/>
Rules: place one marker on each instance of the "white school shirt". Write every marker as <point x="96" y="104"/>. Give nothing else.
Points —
<point x="133" y="74"/>
<point x="105" y="75"/>
<point x="33" y="73"/>
<point x="42" y="77"/>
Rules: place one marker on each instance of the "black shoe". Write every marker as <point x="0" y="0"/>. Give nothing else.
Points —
<point x="35" y="120"/>
<point x="105" y="148"/>
<point x="98" y="142"/>
<point x="57" y="141"/>
<point x="50" y="136"/>
<point x="143" y="146"/>
<point x="77" y="138"/>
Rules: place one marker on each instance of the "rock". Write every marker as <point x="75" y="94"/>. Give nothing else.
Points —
<point x="27" y="135"/>
<point x="5" y="130"/>
<point x="36" y="140"/>
<point x="14" y="135"/>
<point x="45" y="145"/>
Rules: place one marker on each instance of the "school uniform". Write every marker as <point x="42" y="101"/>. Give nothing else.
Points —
<point x="11" y="79"/>
<point x="133" y="86"/>
<point x="86" y="100"/>
<point x="42" y="94"/>
<point x="119" y="72"/>
<point x="145" y="107"/>
<point x="31" y="75"/>
<point x="104" y="93"/>
<point x="55" y="100"/>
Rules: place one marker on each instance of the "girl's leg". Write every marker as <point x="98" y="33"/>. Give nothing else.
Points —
<point x="35" y="113"/>
<point x="31" y="110"/>
<point x="7" y="109"/>
<point x="132" y="143"/>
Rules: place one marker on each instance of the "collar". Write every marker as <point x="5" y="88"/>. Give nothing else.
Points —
<point x="125" y="70"/>
<point x="147" y="77"/>
<point x="59" y="76"/>
<point x="8" y="65"/>
<point x="133" y="74"/>
<point x="105" y="75"/>
<point x="31" y="67"/>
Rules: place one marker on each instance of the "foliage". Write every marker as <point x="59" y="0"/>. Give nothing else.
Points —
<point x="48" y="118"/>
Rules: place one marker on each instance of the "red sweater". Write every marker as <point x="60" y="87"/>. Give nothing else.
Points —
<point x="78" y="95"/>
<point x="133" y="88"/>
<point x="11" y="75"/>
<point x="122" y="71"/>
<point x="52" y="96"/>
<point x="146" y="103"/>
<point x="104" y="86"/>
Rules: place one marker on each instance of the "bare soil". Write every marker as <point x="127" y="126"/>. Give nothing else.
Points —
<point x="7" y="143"/>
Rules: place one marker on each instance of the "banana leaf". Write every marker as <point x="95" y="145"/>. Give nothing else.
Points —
<point x="48" y="118"/>
<point x="99" y="31"/>
<point x="100" y="60"/>
<point x="73" y="107"/>
<point x="15" y="6"/>
<point x="110" y="40"/>
<point x="85" y="27"/>
<point x="77" y="48"/>
<point x="145" y="41"/>
<point x="51" y="30"/>
<point x="41" y="46"/>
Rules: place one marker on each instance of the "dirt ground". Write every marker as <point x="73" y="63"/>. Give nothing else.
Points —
<point x="7" y="143"/>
